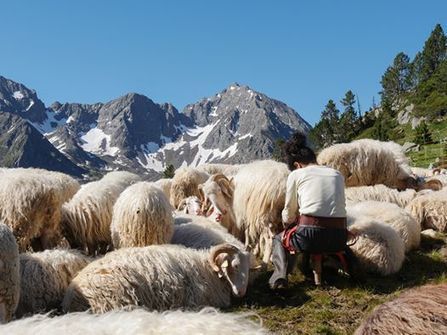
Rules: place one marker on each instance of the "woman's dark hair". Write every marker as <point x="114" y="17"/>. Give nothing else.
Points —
<point x="296" y="150"/>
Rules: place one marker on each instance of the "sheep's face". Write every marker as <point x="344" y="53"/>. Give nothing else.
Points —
<point x="234" y="268"/>
<point x="191" y="205"/>
<point x="219" y="203"/>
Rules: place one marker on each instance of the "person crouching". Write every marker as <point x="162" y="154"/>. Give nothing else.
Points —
<point x="314" y="210"/>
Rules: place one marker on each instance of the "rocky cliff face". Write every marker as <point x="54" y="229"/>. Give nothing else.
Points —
<point x="134" y="133"/>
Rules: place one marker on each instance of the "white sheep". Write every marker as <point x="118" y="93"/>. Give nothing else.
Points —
<point x="430" y="210"/>
<point x="379" y="248"/>
<point x="30" y="204"/>
<point x="218" y="192"/>
<point x="369" y="162"/>
<point x="142" y="215"/>
<point x="198" y="232"/>
<point x="159" y="277"/>
<point x="9" y="274"/>
<point x="191" y="205"/>
<point x="380" y="193"/>
<point x="86" y="218"/>
<point x="391" y="214"/>
<point x="185" y="184"/>
<point x="259" y="198"/>
<point x="165" y="185"/>
<point x="138" y="322"/>
<point x="44" y="278"/>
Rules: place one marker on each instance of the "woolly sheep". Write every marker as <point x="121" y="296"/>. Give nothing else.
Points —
<point x="391" y="214"/>
<point x="421" y="311"/>
<point x="30" y="204"/>
<point x="380" y="193"/>
<point x="218" y="191"/>
<point x="430" y="210"/>
<point x="198" y="232"/>
<point x="86" y="218"/>
<point x="185" y="184"/>
<point x="259" y="197"/>
<point x="191" y="205"/>
<point x="142" y="216"/>
<point x="165" y="185"/>
<point x="369" y="162"/>
<point x="44" y="278"/>
<point x="138" y="322"/>
<point x="9" y="273"/>
<point x="159" y="277"/>
<point x="378" y="248"/>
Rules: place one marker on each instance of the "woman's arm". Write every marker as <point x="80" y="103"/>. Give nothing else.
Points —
<point x="291" y="205"/>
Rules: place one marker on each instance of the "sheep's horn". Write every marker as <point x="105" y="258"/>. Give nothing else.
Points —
<point x="219" y="249"/>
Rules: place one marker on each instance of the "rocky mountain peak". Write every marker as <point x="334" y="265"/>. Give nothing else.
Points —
<point x="16" y="98"/>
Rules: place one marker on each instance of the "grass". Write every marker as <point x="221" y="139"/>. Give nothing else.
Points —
<point x="428" y="153"/>
<point x="339" y="306"/>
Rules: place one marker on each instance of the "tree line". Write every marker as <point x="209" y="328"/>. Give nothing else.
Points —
<point x="421" y="82"/>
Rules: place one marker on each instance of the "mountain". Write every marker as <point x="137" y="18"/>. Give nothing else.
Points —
<point x="134" y="133"/>
<point x="236" y="125"/>
<point x="21" y="145"/>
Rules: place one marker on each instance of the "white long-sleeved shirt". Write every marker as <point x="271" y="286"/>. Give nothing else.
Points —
<point x="317" y="190"/>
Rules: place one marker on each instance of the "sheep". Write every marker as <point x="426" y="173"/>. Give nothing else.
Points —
<point x="198" y="232"/>
<point x="185" y="184"/>
<point x="378" y="247"/>
<point x="9" y="274"/>
<point x="380" y="193"/>
<point x="142" y="215"/>
<point x="30" y="204"/>
<point x="391" y="214"/>
<point x="44" y="278"/>
<point x="138" y="322"/>
<point x="218" y="190"/>
<point x="191" y="205"/>
<point x="228" y="170"/>
<point x="159" y="277"/>
<point x="430" y="210"/>
<point x="421" y="310"/>
<point x="369" y="162"/>
<point x="165" y="185"/>
<point x="259" y="198"/>
<point x="86" y="218"/>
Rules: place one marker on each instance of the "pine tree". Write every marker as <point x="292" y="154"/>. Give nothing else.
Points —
<point x="327" y="131"/>
<point x="423" y="134"/>
<point x="349" y="119"/>
<point x="397" y="78"/>
<point x="277" y="154"/>
<point x="434" y="52"/>
<point x="169" y="171"/>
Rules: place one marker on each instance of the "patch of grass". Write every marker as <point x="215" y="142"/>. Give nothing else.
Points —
<point x="338" y="307"/>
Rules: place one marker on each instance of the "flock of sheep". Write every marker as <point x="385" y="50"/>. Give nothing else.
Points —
<point x="150" y="254"/>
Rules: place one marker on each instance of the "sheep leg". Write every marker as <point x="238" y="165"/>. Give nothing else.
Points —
<point x="316" y="265"/>
<point x="268" y="245"/>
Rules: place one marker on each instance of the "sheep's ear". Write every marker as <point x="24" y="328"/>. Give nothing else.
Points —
<point x="225" y="264"/>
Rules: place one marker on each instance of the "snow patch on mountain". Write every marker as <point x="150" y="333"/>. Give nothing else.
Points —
<point x="97" y="142"/>
<point x="18" y="95"/>
<point x="50" y="124"/>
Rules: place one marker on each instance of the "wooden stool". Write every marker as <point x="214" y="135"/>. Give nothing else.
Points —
<point x="317" y="266"/>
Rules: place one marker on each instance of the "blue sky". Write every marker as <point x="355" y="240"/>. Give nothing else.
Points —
<point x="300" y="52"/>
